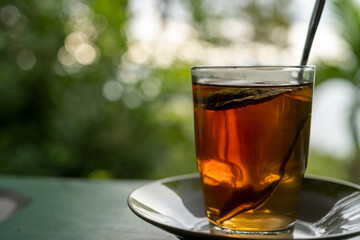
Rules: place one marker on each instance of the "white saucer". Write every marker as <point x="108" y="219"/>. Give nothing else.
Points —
<point x="329" y="209"/>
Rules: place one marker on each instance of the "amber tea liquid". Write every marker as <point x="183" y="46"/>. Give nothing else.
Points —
<point x="252" y="146"/>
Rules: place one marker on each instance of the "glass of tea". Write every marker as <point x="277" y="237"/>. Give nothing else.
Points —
<point x="252" y="127"/>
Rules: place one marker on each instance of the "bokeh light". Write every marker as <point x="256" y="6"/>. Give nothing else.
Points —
<point x="132" y="99"/>
<point x="10" y="15"/>
<point x="150" y="89"/>
<point x="26" y="59"/>
<point x="113" y="90"/>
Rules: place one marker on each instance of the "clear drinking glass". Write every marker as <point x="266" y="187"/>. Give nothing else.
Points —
<point x="252" y="127"/>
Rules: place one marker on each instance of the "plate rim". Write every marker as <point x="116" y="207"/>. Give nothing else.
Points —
<point x="182" y="233"/>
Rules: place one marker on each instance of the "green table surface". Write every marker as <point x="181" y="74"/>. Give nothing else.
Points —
<point x="76" y="209"/>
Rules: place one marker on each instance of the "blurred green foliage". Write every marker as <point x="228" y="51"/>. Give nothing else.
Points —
<point x="54" y="118"/>
<point x="348" y="69"/>
<point x="74" y="102"/>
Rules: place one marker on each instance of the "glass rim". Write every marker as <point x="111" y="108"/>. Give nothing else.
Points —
<point x="253" y="75"/>
<point x="254" y="67"/>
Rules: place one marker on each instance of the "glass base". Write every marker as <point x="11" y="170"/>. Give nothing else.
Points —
<point x="278" y="234"/>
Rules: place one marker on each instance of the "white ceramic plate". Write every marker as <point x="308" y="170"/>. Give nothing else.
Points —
<point x="329" y="209"/>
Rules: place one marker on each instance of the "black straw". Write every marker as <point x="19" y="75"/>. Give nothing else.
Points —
<point x="314" y="22"/>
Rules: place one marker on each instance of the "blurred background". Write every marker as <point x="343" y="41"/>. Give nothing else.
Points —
<point x="101" y="89"/>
